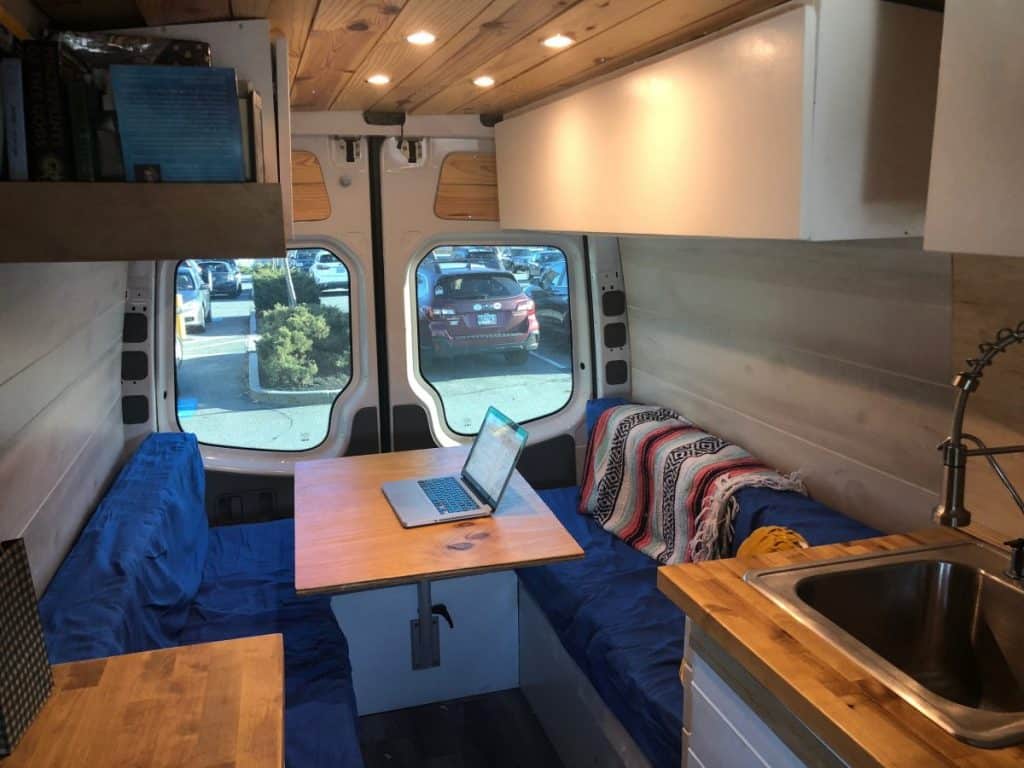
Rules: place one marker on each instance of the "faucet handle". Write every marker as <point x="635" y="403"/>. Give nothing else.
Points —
<point x="1016" y="569"/>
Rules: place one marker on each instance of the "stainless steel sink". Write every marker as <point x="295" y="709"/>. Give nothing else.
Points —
<point x="942" y="626"/>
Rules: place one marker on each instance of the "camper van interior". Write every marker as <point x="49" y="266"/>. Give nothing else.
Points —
<point x="541" y="383"/>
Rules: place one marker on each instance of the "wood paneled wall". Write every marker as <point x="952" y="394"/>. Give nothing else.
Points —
<point x="988" y="294"/>
<point x="832" y="359"/>
<point x="61" y="436"/>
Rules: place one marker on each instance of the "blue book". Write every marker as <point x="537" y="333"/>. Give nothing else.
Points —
<point x="15" y="141"/>
<point x="178" y="123"/>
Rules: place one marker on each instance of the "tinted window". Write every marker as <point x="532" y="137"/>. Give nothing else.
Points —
<point x="262" y="369"/>
<point x="185" y="281"/>
<point x="491" y="331"/>
<point x="478" y="287"/>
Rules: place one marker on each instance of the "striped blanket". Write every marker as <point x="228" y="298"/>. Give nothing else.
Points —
<point x="666" y="487"/>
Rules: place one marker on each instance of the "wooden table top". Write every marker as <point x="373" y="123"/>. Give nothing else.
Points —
<point x="347" y="537"/>
<point x="854" y="713"/>
<point x="205" y="706"/>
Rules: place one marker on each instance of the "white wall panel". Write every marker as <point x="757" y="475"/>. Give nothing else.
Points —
<point x="977" y="169"/>
<point x="61" y="436"/>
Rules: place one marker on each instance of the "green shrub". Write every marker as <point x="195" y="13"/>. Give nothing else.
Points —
<point x="304" y="347"/>
<point x="269" y="289"/>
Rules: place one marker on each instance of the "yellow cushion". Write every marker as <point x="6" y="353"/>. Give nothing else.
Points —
<point x="771" y="538"/>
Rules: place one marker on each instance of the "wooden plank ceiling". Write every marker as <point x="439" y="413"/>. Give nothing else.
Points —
<point x="336" y="45"/>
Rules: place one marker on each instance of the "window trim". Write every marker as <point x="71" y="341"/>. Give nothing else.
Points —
<point x="570" y="414"/>
<point x="269" y="461"/>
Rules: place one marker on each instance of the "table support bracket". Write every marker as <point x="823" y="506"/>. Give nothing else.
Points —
<point x="424" y="631"/>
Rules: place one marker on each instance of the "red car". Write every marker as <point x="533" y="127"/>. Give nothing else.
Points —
<point x="463" y="310"/>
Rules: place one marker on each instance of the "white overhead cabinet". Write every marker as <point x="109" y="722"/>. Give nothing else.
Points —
<point x="977" y="174"/>
<point x="812" y="121"/>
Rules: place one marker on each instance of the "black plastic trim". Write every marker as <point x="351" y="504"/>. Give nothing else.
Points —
<point x="379" y="294"/>
<point x="590" y="317"/>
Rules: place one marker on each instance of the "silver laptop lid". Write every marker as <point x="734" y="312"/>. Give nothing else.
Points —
<point x="494" y="456"/>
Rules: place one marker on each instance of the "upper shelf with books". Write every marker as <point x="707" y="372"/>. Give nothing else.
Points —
<point x="71" y="221"/>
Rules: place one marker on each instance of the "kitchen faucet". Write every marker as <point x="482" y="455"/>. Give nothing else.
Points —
<point x="952" y="512"/>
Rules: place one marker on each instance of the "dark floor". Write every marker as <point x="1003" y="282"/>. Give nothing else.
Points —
<point x="495" y="730"/>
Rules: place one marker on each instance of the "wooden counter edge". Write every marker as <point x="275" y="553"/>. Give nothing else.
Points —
<point x="671" y="582"/>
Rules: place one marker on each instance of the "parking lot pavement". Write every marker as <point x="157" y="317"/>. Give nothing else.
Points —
<point x="213" y="389"/>
<point x="469" y="385"/>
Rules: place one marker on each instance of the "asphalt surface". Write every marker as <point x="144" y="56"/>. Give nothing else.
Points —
<point x="213" y="389"/>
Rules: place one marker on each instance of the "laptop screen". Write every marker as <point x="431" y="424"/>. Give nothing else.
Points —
<point x="494" y="455"/>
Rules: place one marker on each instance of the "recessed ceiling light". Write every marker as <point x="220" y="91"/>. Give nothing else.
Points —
<point x="380" y="79"/>
<point x="484" y="81"/>
<point x="421" y="38"/>
<point x="559" y="41"/>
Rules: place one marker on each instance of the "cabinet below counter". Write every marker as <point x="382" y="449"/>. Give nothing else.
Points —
<point x="762" y="688"/>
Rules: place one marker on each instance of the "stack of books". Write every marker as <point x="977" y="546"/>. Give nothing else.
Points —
<point x="96" y="106"/>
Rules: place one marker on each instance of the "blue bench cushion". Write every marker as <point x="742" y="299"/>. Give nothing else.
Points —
<point x="814" y="521"/>
<point x="129" y="580"/>
<point x="148" y="572"/>
<point x="624" y="634"/>
<point x="249" y="589"/>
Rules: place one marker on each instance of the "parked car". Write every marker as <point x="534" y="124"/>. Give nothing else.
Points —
<point x="520" y="259"/>
<point x="224" y="275"/>
<point x="550" y="294"/>
<point x="483" y="255"/>
<point x="466" y="310"/>
<point x="328" y="272"/>
<point x="196" y="307"/>
<point x="544" y="260"/>
<point x="302" y="259"/>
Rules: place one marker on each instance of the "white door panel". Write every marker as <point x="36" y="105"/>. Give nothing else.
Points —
<point x="411" y="230"/>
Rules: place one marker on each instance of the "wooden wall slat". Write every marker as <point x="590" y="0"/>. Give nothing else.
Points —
<point x="61" y="435"/>
<point x="310" y="200"/>
<point x="988" y="294"/>
<point x="342" y="35"/>
<point x="583" y="21"/>
<point x="160" y="12"/>
<point x="660" y="28"/>
<point x="396" y="57"/>
<point x="504" y="23"/>
<point x="830" y="359"/>
<point x="467" y="187"/>
<point x="292" y="19"/>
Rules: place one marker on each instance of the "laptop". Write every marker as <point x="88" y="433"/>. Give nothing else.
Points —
<point x="476" y="491"/>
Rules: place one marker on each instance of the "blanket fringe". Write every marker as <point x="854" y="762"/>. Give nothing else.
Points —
<point x="715" y="524"/>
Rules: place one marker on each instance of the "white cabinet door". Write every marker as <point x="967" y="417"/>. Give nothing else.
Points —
<point x="977" y="169"/>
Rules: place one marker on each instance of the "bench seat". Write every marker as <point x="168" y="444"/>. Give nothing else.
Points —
<point x="147" y="572"/>
<point x="623" y="633"/>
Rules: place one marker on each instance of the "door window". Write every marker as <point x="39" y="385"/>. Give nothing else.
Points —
<point x="260" y="366"/>
<point x="494" y="328"/>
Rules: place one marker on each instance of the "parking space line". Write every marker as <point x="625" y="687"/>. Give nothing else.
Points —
<point x="549" y="361"/>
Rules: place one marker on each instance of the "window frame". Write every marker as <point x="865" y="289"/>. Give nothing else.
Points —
<point x="269" y="461"/>
<point x="570" y="415"/>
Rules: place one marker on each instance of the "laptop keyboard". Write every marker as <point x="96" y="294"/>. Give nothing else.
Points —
<point x="447" y="495"/>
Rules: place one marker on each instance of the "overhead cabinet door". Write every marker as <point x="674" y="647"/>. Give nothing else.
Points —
<point x="813" y="121"/>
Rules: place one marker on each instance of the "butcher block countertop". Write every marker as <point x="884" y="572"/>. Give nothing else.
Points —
<point x="850" y="710"/>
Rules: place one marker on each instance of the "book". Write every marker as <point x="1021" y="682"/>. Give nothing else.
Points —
<point x="250" y="110"/>
<point x="25" y="677"/>
<point x="179" y="123"/>
<point x="15" y="148"/>
<point x="82" y="110"/>
<point x="259" y="167"/>
<point x="47" y="129"/>
<point x="245" y="120"/>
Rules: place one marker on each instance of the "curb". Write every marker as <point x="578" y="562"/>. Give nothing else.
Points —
<point x="278" y="396"/>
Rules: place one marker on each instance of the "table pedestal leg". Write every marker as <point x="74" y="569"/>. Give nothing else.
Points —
<point x="424" y="631"/>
